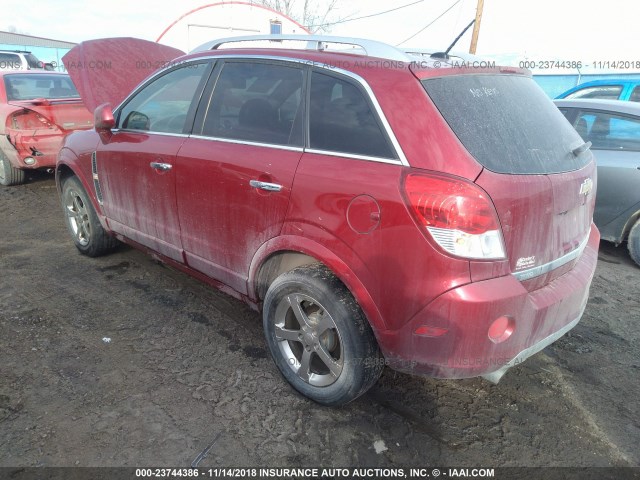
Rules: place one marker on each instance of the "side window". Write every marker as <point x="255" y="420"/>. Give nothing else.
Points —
<point x="583" y="124"/>
<point x="256" y="102"/>
<point x="342" y="120"/>
<point x="635" y="95"/>
<point x="10" y="61"/>
<point x="611" y="92"/>
<point x="163" y="105"/>
<point x="608" y="131"/>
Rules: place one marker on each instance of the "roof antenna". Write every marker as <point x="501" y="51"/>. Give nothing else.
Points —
<point x="445" y="55"/>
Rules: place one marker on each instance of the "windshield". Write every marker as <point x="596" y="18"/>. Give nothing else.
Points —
<point x="507" y="123"/>
<point x="29" y="87"/>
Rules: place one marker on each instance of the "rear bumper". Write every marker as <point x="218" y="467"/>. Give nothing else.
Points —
<point x="46" y="148"/>
<point x="459" y="321"/>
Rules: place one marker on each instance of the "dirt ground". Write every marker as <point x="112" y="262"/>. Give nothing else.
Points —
<point x="187" y="367"/>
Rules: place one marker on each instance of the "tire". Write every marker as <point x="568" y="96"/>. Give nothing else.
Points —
<point x="633" y="242"/>
<point x="82" y="221"/>
<point x="9" y="175"/>
<point x="319" y="337"/>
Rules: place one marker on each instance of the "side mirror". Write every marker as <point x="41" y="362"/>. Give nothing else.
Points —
<point x="103" y="117"/>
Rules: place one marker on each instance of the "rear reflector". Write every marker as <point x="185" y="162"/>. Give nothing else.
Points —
<point x="501" y="329"/>
<point x="458" y="215"/>
<point x="429" y="331"/>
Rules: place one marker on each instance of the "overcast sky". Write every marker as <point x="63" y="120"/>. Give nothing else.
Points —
<point x="569" y="29"/>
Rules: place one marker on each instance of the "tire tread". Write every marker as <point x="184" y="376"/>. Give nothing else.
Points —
<point x="633" y="242"/>
<point x="101" y="242"/>
<point x="370" y="360"/>
<point x="14" y="176"/>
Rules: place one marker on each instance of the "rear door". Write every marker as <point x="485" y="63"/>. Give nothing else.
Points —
<point x="236" y="170"/>
<point x="135" y="165"/>
<point x="616" y="144"/>
<point x="538" y="176"/>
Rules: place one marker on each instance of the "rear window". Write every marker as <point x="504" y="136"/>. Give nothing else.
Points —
<point x="507" y="123"/>
<point x="28" y="87"/>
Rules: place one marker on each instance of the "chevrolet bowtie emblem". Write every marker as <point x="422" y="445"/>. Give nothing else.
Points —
<point x="586" y="187"/>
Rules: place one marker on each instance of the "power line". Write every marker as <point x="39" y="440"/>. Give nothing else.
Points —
<point x="364" y="16"/>
<point x="428" y="25"/>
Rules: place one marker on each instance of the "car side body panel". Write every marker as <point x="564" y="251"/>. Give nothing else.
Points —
<point x="140" y="200"/>
<point x="223" y="218"/>
<point x="368" y="220"/>
<point x="619" y="187"/>
<point x="618" y="163"/>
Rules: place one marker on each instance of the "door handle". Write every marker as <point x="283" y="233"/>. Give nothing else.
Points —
<point x="162" y="167"/>
<point x="269" y="187"/>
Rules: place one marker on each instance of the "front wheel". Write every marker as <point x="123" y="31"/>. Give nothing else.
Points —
<point x="633" y="242"/>
<point x="9" y="175"/>
<point x="318" y="336"/>
<point x="82" y="221"/>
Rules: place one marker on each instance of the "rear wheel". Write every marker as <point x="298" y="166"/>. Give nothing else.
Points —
<point x="9" y="175"/>
<point x="82" y="221"/>
<point x="319" y="338"/>
<point x="633" y="242"/>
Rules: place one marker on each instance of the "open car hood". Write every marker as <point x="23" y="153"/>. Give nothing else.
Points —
<point x="108" y="69"/>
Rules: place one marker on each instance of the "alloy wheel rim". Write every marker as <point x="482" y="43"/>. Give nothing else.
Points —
<point x="78" y="217"/>
<point x="309" y="340"/>
<point x="3" y="169"/>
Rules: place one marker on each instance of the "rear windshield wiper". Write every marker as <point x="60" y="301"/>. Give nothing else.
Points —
<point x="581" y="148"/>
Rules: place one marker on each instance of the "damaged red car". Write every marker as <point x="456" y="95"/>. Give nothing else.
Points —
<point x="377" y="207"/>
<point x="37" y="110"/>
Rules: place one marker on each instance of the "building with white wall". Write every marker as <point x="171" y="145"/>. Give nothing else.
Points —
<point x="226" y="19"/>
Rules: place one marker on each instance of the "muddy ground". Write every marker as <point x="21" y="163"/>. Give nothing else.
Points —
<point x="186" y="366"/>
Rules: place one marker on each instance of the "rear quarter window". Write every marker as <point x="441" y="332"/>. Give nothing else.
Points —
<point x="507" y="123"/>
<point x="342" y="120"/>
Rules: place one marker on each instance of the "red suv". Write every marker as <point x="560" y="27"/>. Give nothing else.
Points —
<point x="378" y="208"/>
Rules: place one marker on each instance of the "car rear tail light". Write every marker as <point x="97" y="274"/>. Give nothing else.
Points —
<point x="457" y="214"/>
<point x="29" y="120"/>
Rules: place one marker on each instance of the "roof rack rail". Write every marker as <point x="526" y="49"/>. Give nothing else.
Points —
<point x="426" y="52"/>
<point x="315" y="42"/>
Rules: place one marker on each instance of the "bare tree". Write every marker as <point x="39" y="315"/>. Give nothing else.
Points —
<point x="316" y="15"/>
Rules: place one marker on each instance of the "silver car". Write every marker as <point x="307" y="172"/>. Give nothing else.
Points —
<point x="613" y="128"/>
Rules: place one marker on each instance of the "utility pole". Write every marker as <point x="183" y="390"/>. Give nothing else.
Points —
<point x="476" y="27"/>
